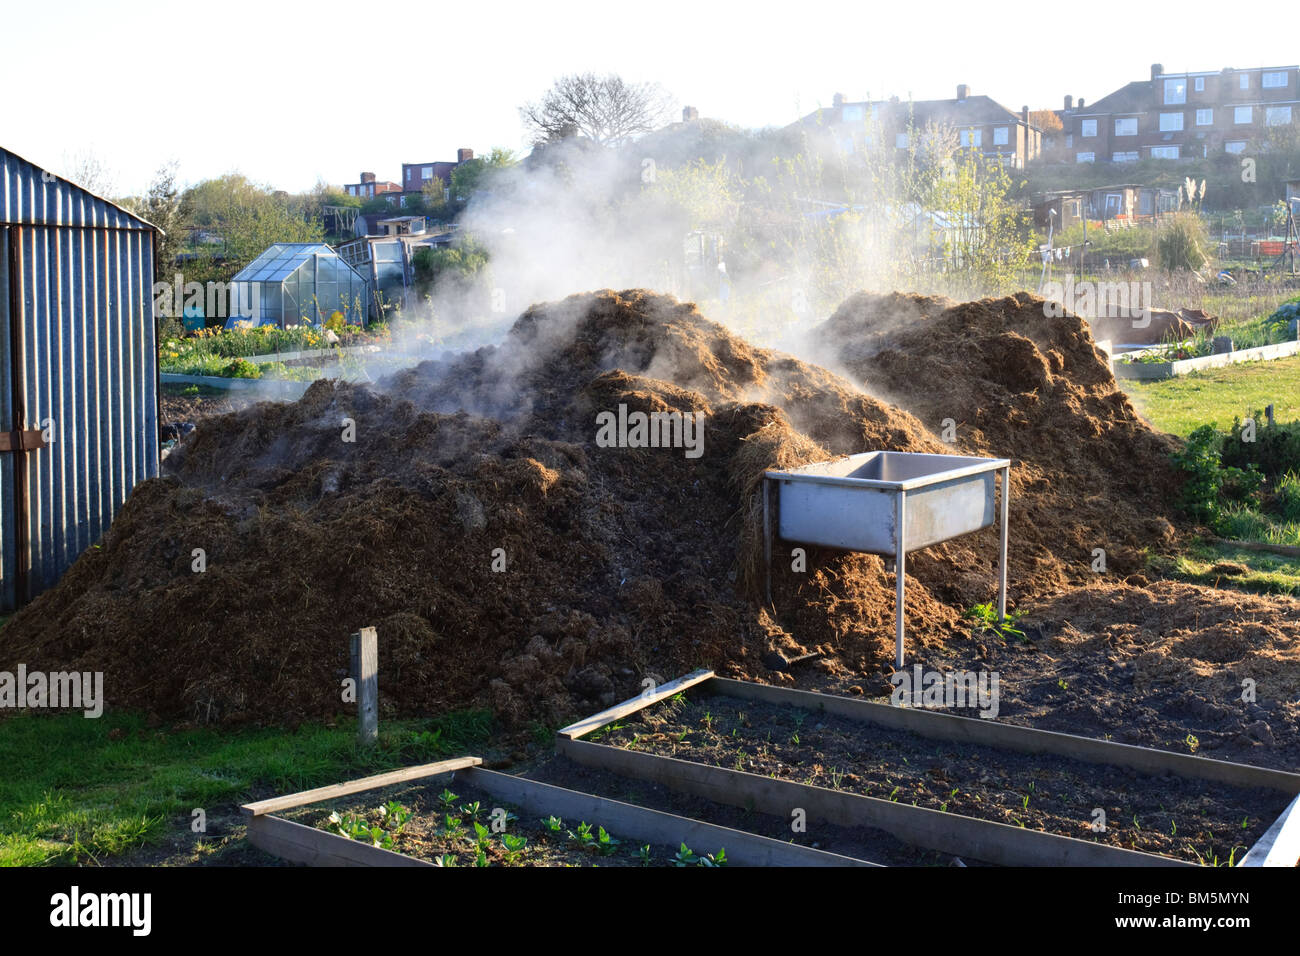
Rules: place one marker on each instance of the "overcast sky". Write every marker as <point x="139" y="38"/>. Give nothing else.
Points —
<point x="291" y="92"/>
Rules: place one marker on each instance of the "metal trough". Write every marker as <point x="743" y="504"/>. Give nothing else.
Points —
<point x="890" y="503"/>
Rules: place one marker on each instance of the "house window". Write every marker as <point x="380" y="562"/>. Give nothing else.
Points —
<point x="1069" y="140"/>
<point x="1164" y="152"/>
<point x="1277" y="115"/>
<point x="853" y="114"/>
<point x="1273" y="81"/>
<point x="971" y="137"/>
<point x="1000" y="135"/>
<point x="1242" y="114"/>
<point x="1126" y="127"/>
<point x="1130" y="156"/>
<point x="1085" y="157"/>
<point x="1200" y="84"/>
<point x="426" y="172"/>
<point x="1235" y="146"/>
<point x="1171" y="122"/>
<point x="1175" y="91"/>
<point x="1088" y="128"/>
<point x="1205" y="117"/>
<point x="1244" y="81"/>
<point x="410" y="174"/>
<point x="900" y="141"/>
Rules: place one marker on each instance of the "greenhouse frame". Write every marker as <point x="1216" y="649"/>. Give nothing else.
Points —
<point x="296" y="283"/>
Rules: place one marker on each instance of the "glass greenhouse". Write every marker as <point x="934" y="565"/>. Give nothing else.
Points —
<point x="295" y="283"/>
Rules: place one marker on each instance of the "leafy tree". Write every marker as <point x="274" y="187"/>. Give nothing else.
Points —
<point x="248" y="218"/>
<point x="167" y="208"/>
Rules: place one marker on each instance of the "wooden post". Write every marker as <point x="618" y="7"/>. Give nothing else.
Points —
<point x="365" y="671"/>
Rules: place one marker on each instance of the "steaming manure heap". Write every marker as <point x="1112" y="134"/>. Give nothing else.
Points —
<point x="619" y="562"/>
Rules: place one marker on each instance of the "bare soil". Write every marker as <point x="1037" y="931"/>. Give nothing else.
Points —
<point x="1197" y="821"/>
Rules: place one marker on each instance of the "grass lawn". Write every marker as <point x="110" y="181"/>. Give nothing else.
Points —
<point x="1221" y="565"/>
<point x="76" y="790"/>
<point x="1215" y="396"/>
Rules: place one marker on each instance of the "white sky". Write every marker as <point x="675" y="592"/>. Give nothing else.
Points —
<point x="290" y="92"/>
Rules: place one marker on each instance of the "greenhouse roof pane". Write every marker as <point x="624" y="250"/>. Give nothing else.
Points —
<point x="280" y="260"/>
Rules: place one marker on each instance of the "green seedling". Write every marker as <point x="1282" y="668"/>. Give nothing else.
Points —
<point x="1192" y="742"/>
<point x="481" y="859"/>
<point x="454" y="827"/>
<point x="986" y="620"/>
<point x="644" y="854"/>
<point x="685" y="857"/>
<point x="482" y="834"/>
<point x="473" y="809"/>
<point x="718" y="859"/>
<point x="445" y="860"/>
<point x="605" y="843"/>
<point x="554" y="824"/>
<point x="514" y="846"/>
<point x="447" y="799"/>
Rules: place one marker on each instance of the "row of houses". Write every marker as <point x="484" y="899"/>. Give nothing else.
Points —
<point x="1166" y="116"/>
<point x="416" y="177"/>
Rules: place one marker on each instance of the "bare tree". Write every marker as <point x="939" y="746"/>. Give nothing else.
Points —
<point x="606" y="109"/>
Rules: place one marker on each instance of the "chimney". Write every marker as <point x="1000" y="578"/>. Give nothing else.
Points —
<point x="464" y="155"/>
<point x="963" y="91"/>
<point x="1081" y="102"/>
<point x="1156" y="70"/>
<point x="837" y="100"/>
<point x="367" y="177"/>
<point x="1024" y="115"/>
<point x="1069" y="102"/>
<point x="690" y="113"/>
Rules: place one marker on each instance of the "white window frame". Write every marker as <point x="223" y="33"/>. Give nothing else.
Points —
<point x="1085" y="126"/>
<point x="1234" y="146"/>
<point x="1270" y="111"/>
<point x="1236" y="115"/>
<point x="1085" y="157"/>
<point x="972" y="138"/>
<point x="1175" y="91"/>
<point x="1161" y="152"/>
<point x="1001" y="135"/>
<point x="1200" y="84"/>
<point x="1126" y="156"/>
<point x="426" y="172"/>
<point x="1168" y="120"/>
<point x="1205" y="117"/>
<point x="1243" y="81"/>
<point x="1129" y="123"/>
<point x="1274" y="80"/>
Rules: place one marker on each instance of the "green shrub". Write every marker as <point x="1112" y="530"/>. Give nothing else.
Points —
<point x="1274" y="452"/>
<point x="1181" y="243"/>
<point x="1286" y="497"/>
<point x="241" y="368"/>
<point x="1210" y="482"/>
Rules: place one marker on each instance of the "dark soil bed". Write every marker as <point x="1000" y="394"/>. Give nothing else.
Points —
<point x="1190" y="820"/>
<point x="441" y="828"/>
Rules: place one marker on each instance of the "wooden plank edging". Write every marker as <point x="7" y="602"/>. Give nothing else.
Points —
<point x="633" y="704"/>
<point x="404" y="775"/>
<point x="307" y="845"/>
<point x="628" y="821"/>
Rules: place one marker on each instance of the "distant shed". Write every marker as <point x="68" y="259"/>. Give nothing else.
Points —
<point x="78" y="371"/>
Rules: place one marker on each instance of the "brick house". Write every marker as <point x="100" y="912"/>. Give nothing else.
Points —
<point x="982" y="124"/>
<point x="369" y="187"/>
<point x="415" y="176"/>
<point x="1180" y="115"/>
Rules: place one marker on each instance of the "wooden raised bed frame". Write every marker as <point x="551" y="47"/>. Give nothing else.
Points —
<point x="297" y="843"/>
<point x="945" y="832"/>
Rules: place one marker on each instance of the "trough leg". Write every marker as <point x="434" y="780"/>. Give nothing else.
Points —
<point x="767" y="540"/>
<point x="1002" y="544"/>
<point x="900" y="574"/>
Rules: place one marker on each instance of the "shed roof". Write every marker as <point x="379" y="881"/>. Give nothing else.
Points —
<point x="32" y="196"/>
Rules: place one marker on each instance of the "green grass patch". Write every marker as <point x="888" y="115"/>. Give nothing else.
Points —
<point x="1221" y="565"/>
<point x="78" y="790"/>
<point x="1216" y="396"/>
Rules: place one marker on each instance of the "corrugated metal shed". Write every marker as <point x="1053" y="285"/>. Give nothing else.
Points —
<point x="78" y="365"/>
